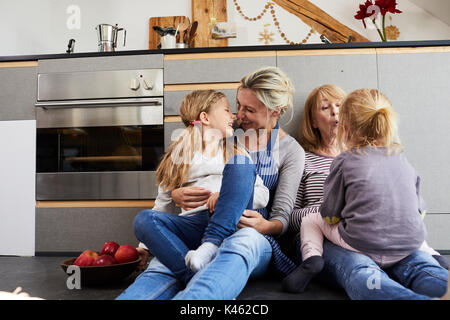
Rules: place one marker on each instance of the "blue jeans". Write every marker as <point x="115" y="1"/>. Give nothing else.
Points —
<point x="417" y="277"/>
<point x="245" y="254"/>
<point x="169" y="237"/>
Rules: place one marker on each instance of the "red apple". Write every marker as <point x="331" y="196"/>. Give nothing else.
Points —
<point x="109" y="248"/>
<point x="87" y="258"/>
<point x="104" y="260"/>
<point x="126" y="253"/>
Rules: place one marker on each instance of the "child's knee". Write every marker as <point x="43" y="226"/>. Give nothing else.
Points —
<point x="143" y="221"/>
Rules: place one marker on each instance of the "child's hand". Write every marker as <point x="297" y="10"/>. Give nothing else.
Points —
<point x="143" y="254"/>
<point x="212" y="201"/>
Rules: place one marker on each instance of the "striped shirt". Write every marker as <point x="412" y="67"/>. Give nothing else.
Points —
<point x="310" y="191"/>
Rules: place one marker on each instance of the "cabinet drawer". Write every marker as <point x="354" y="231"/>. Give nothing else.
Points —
<point x="438" y="236"/>
<point x="135" y="62"/>
<point x="224" y="67"/>
<point x="417" y="84"/>
<point x="18" y="93"/>
<point x="170" y="130"/>
<point x="350" y="72"/>
<point x="174" y="95"/>
<point x="78" y="229"/>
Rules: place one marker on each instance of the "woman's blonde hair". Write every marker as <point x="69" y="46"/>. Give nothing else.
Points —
<point x="367" y="118"/>
<point x="174" y="167"/>
<point x="271" y="86"/>
<point x="309" y="137"/>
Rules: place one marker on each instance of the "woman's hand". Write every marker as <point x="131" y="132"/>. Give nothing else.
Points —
<point x="254" y="219"/>
<point x="143" y="254"/>
<point x="212" y="201"/>
<point x="190" y="197"/>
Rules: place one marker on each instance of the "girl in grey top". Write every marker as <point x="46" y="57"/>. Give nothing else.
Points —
<point x="372" y="202"/>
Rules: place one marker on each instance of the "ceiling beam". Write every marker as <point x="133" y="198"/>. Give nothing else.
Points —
<point x="320" y="21"/>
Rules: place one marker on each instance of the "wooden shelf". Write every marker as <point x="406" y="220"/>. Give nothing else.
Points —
<point x="18" y="64"/>
<point x="96" y="204"/>
<point x="219" y="55"/>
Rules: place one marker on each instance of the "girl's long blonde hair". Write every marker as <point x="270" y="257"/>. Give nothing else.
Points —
<point x="309" y="137"/>
<point x="174" y="167"/>
<point x="367" y="118"/>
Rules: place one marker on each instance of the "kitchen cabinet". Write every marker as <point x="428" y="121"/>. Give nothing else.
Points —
<point x="214" y="67"/>
<point x="352" y="70"/>
<point x="17" y="187"/>
<point x="170" y="132"/>
<point x="17" y="92"/>
<point x="438" y="235"/>
<point x="173" y="99"/>
<point x="18" y="168"/>
<point x="414" y="79"/>
<point x="418" y="86"/>
<point x="73" y="229"/>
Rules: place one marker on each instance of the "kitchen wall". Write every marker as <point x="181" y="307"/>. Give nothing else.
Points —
<point x="45" y="26"/>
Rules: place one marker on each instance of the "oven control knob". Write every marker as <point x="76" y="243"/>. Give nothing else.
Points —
<point x="148" y="84"/>
<point x="134" y="84"/>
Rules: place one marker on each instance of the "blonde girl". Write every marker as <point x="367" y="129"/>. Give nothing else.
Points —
<point x="202" y="156"/>
<point x="372" y="202"/>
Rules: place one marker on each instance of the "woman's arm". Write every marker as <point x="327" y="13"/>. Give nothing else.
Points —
<point x="291" y="159"/>
<point x="301" y="209"/>
<point x="292" y="163"/>
<point x="253" y="219"/>
<point x="190" y="197"/>
<point x="299" y="213"/>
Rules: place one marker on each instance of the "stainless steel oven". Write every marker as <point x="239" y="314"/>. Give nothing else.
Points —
<point x="100" y="134"/>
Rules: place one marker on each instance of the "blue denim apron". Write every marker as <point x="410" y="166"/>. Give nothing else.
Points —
<point x="268" y="171"/>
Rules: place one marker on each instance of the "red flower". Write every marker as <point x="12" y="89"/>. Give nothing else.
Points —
<point x="364" y="11"/>
<point x="387" y="6"/>
<point x="371" y="10"/>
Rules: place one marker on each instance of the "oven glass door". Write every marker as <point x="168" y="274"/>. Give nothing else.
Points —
<point x="99" y="149"/>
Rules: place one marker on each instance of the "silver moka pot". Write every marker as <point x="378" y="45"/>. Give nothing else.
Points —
<point x="107" y="37"/>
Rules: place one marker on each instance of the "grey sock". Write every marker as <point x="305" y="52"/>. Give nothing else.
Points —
<point x="298" y="279"/>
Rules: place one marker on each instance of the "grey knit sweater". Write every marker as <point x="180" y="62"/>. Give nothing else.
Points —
<point x="375" y="199"/>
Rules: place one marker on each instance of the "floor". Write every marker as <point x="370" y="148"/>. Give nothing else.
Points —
<point x="43" y="277"/>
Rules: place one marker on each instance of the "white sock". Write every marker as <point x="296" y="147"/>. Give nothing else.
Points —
<point x="198" y="259"/>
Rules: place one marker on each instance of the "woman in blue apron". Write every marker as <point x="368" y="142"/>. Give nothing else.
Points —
<point x="252" y="251"/>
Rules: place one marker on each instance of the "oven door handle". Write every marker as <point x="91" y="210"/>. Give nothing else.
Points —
<point x="150" y="113"/>
<point x="98" y="103"/>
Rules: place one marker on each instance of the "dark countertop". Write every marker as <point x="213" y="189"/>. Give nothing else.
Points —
<point x="315" y="46"/>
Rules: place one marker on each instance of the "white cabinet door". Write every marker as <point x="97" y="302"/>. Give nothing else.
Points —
<point x="17" y="187"/>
